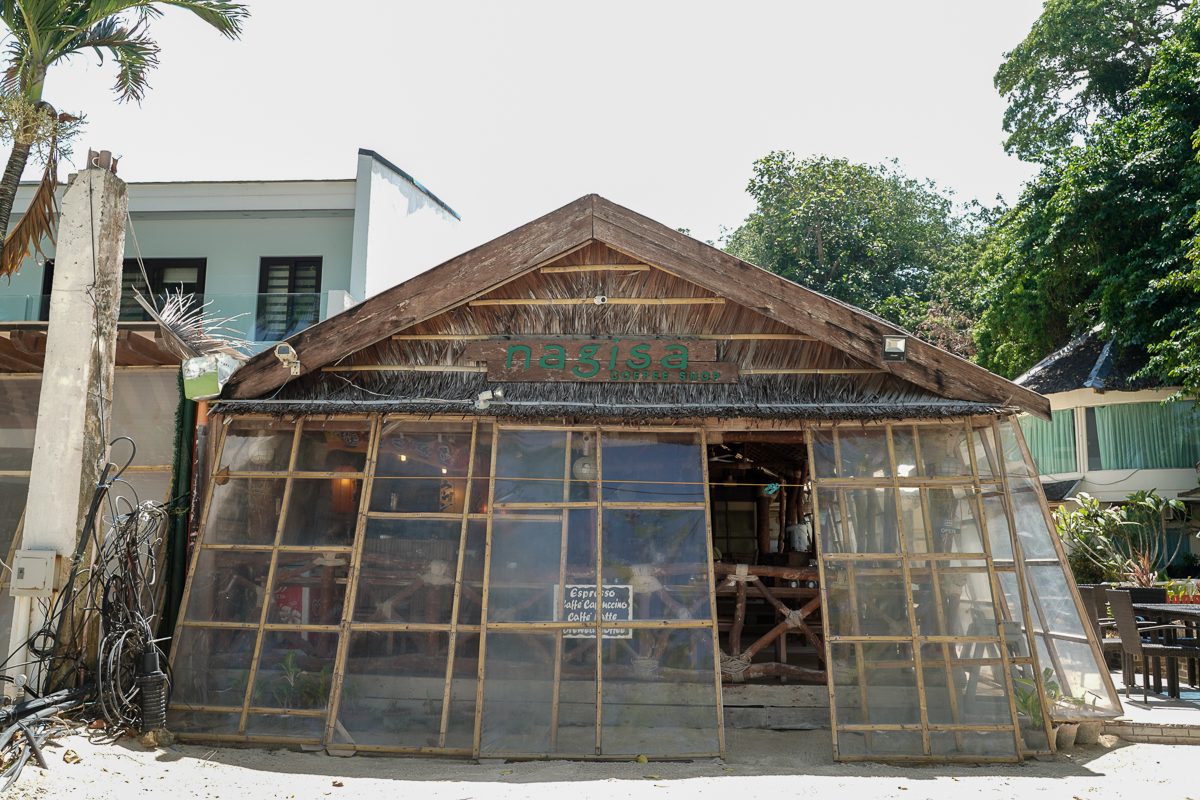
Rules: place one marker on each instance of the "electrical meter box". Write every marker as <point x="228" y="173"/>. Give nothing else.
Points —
<point x="34" y="573"/>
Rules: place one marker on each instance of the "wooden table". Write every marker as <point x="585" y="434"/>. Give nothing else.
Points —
<point x="1164" y="613"/>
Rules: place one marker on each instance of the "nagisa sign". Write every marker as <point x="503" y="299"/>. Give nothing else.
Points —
<point x="604" y="360"/>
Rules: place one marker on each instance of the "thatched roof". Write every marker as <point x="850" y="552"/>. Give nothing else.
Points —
<point x="515" y="287"/>
<point x="831" y="397"/>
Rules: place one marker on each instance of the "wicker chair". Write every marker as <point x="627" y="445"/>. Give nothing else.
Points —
<point x="1133" y="644"/>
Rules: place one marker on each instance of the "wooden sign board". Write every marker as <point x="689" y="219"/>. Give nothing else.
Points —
<point x="604" y="360"/>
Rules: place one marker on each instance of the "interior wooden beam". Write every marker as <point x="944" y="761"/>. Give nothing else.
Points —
<point x="13" y="360"/>
<point x="599" y="268"/>
<point x="611" y="301"/>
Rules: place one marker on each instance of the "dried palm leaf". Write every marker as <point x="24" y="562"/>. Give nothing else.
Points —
<point x="39" y="221"/>
<point x="189" y="333"/>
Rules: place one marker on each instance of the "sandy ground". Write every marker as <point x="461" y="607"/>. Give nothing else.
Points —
<point x="766" y="763"/>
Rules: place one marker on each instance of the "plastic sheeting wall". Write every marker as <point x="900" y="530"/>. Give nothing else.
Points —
<point x="954" y="630"/>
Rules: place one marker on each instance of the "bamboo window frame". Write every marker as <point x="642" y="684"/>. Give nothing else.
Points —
<point x="332" y="727"/>
<point x="931" y="562"/>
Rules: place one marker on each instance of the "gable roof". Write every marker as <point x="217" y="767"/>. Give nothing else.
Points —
<point x="1090" y="361"/>
<point x="592" y="218"/>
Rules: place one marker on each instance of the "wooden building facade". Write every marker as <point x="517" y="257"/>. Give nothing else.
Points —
<point x="544" y="499"/>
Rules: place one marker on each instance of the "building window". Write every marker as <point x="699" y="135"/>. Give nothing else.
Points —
<point x="165" y="275"/>
<point x="1143" y="436"/>
<point x="1052" y="443"/>
<point x="289" y="297"/>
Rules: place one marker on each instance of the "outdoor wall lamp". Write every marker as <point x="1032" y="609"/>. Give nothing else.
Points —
<point x="895" y="348"/>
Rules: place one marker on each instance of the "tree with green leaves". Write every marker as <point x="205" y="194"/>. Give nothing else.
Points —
<point x="42" y="33"/>
<point x="867" y="235"/>
<point x="1102" y="234"/>
<point x="1080" y="63"/>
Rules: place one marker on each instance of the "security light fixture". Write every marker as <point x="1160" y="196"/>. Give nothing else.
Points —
<point x="895" y="348"/>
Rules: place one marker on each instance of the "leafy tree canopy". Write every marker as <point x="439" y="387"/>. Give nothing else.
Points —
<point x="1081" y="62"/>
<point x="867" y="235"/>
<point x="1102" y="234"/>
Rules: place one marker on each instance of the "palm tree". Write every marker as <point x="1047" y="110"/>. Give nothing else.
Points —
<point x="45" y="32"/>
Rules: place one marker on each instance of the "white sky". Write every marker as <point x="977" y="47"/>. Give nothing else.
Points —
<point x="508" y="110"/>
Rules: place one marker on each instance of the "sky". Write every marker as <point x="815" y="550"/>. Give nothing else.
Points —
<point x="508" y="110"/>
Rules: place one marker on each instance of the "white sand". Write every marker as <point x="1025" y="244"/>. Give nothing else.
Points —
<point x="762" y="763"/>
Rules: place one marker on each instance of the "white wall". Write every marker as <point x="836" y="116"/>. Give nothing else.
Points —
<point x="399" y="231"/>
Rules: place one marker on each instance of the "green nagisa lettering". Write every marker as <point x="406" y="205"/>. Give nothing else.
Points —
<point x="587" y="356"/>
<point x="642" y="353"/>
<point x="680" y="358"/>
<point x="555" y="358"/>
<point x="517" y="348"/>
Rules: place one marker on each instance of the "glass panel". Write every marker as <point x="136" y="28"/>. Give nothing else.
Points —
<point x="964" y="685"/>
<point x="659" y="694"/>
<point x="999" y="536"/>
<point x="953" y="521"/>
<point x="661" y="559"/>
<point x="1014" y="461"/>
<point x="257" y="445"/>
<point x="883" y="692"/>
<point x="1032" y="532"/>
<point x="422" y="468"/>
<point x="871" y="525"/>
<point x="322" y="511"/>
<point x="518" y="695"/>
<point x="1082" y="690"/>
<point x="864" y="453"/>
<point x="530" y="466"/>
<point x="637" y="466"/>
<point x="203" y="723"/>
<point x="986" y="460"/>
<point x="461" y="731"/>
<point x="527" y="556"/>
<point x="880" y="743"/>
<point x="470" y="601"/>
<point x="18" y="418"/>
<point x="972" y="743"/>
<point x="1049" y="586"/>
<point x="212" y="666"/>
<point x="286" y="726"/>
<point x="228" y="586"/>
<point x="825" y="465"/>
<point x="905" y="445"/>
<point x="944" y="451"/>
<point x="866" y="598"/>
<point x="309" y="589"/>
<point x="1013" y="623"/>
<point x="334" y="446"/>
<point x="295" y="670"/>
<point x="965" y="593"/>
<point x="244" y="511"/>
<point x="1052" y="443"/>
<point x="408" y="571"/>
<point x="394" y="687"/>
<point x="13" y="493"/>
<point x="143" y="409"/>
<point x="481" y="485"/>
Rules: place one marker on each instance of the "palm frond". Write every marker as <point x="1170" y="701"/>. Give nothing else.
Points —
<point x="36" y="223"/>
<point x="225" y="17"/>
<point x="188" y="332"/>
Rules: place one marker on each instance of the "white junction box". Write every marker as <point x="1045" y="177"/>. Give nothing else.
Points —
<point x="34" y="573"/>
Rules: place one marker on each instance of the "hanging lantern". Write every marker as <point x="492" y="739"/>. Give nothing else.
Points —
<point x="344" y="490"/>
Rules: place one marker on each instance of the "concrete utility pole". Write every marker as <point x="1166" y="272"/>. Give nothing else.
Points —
<point x="71" y="442"/>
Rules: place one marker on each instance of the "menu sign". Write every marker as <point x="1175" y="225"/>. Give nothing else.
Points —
<point x="606" y="360"/>
<point x="579" y="605"/>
